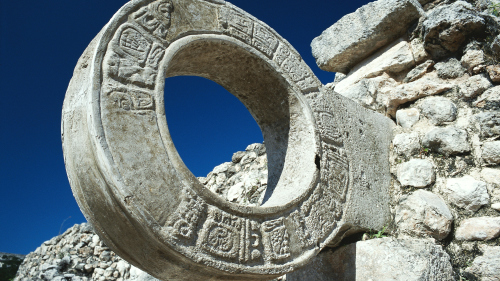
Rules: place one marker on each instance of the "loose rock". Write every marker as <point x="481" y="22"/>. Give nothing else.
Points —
<point x="472" y="59"/>
<point x="439" y="110"/>
<point x="491" y="175"/>
<point x="467" y="193"/>
<point x="447" y="141"/>
<point x="489" y="123"/>
<point x="489" y="99"/>
<point x="406" y="143"/>
<point x="487" y="266"/>
<point x="494" y="73"/>
<point x="475" y="86"/>
<point x="407" y="117"/>
<point x="482" y="229"/>
<point x="416" y="173"/>
<point x="450" y="68"/>
<point x="418" y="71"/>
<point x="491" y="152"/>
<point x="423" y="213"/>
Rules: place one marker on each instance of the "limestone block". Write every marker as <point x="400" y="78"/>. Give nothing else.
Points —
<point x="494" y="72"/>
<point x="380" y="259"/>
<point x="491" y="152"/>
<point x="487" y="266"/>
<point x="448" y="140"/>
<point x="489" y="123"/>
<point x="490" y="99"/>
<point x="418" y="71"/>
<point x="474" y="86"/>
<point x="423" y="213"/>
<point x="439" y="110"/>
<point x="467" y="193"/>
<point x="328" y="157"/>
<point x="358" y="35"/>
<point x="416" y="173"/>
<point x="407" y="117"/>
<point x="450" y="68"/>
<point x="365" y="91"/>
<point x="447" y="27"/>
<point x="395" y="58"/>
<point x="480" y="228"/>
<point x="406" y="143"/>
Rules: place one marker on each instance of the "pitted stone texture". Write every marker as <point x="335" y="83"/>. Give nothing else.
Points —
<point x="472" y="59"/>
<point x="380" y="259"/>
<point x="450" y="68"/>
<point x="418" y="71"/>
<point x="423" y="213"/>
<point x="467" y="193"/>
<point x="481" y="228"/>
<point x="439" y="110"/>
<point x="448" y="140"/>
<point x="323" y="179"/>
<point x="447" y="27"/>
<point x="491" y="152"/>
<point x="489" y="123"/>
<point x="407" y="117"/>
<point x="406" y="143"/>
<point x="491" y="175"/>
<point x="487" y="266"/>
<point x="494" y="72"/>
<point x="475" y="85"/>
<point x="418" y="49"/>
<point x="489" y="100"/>
<point x="359" y="34"/>
<point x="416" y="173"/>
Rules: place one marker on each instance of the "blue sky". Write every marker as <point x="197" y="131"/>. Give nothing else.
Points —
<point x="40" y="43"/>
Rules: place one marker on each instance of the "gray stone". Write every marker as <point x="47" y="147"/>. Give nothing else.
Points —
<point x="472" y="59"/>
<point x="448" y="140"/>
<point x="447" y="27"/>
<point x="491" y="152"/>
<point x="364" y="92"/>
<point x="494" y="72"/>
<point x="450" y="68"/>
<point x="489" y="99"/>
<point x="439" y="110"/>
<point x="416" y="173"/>
<point x="475" y="85"/>
<point x="237" y="156"/>
<point x="489" y="123"/>
<point x="481" y="228"/>
<point x="423" y="213"/>
<point x="380" y="259"/>
<point x="487" y="266"/>
<point x="495" y="45"/>
<point x="419" y="53"/>
<point x="467" y="193"/>
<point x="407" y="117"/>
<point x="358" y="35"/>
<point x="327" y="175"/>
<point x="406" y="143"/>
<point x="418" y="71"/>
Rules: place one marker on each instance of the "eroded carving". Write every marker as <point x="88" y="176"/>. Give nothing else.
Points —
<point x="134" y="100"/>
<point x="156" y="17"/>
<point x="221" y="234"/>
<point x="276" y="240"/>
<point x="183" y="224"/>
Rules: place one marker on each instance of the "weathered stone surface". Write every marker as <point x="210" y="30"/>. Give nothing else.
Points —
<point x="423" y="213"/>
<point x="447" y="27"/>
<point x="490" y="99"/>
<point x="357" y="35"/>
<point x="467" y="193"/>
<point x="494" y="72"/>
<point x="450" y="68"/>
<point x="419" y="53"/>
<point x="439" y="110"/>
<point x="495" y="45"/>
<point x="487" y="266"/>
<point x="481" y="228"/>
<point x="394" y="58"/>
<point x="475" y="85"/>
<point x="324" y="178"/>
<point x="489" y="123"/>
<point x="418" y="71"/>
<point x="380" y="259"/>
<point x="472" y="59"/>
<point x="406" y="143"/>
<point x="491" y="152"/>
<point x="407" y="117"/>
<point x="416" y="173"/>
<point x="491" y="175"/>
<point x="448" y="140"/>
<point x="496" y="206"/>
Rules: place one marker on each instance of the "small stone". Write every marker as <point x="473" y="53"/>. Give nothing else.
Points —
<point x="481" y="228"/>
<point x="472" y="58"/>
<point x="416" y="173"/>
<point x="439" y="110"/>
<point x="496" y="206"/>
<point x="474" y="86"/>
<point x="222" y="168"/>
<point x="418" y="49"/>
<point x="235" y="192"/>
<point x="467" y="193"/>
<point x="406" y="143"/>
<point x="423" y="213"/>
<point x="494" y="72"/>
<point x="407" y="117"/>
<point x="489" y="99"/>
<point x="487" y="266"/>
<point x="237" y="156"/>
<point x="253" y="146"/>
<point x="491" y="152"/>
<point x="450" y="68"/>
<point x="418" y="71"/>
<point x="447" y="141"/>
<point x="489" y="123"/>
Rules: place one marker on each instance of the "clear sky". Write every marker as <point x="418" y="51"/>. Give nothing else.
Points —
<point x="40" y="43"/>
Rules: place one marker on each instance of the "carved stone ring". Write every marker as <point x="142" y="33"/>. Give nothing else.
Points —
<point x="144" y="202"/>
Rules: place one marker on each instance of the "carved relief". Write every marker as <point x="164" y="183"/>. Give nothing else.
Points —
<point x="335" y="165"/>
<point x="133" y="100"/>
<point x="221" y="234"/>
<point x="276" y="240"/>
<point x="299" y="222"/>
<point x="183" y="223"/>
<point x="237" y="25"/>
<point x="328" y="130"/>
<point x="156" y="17"/>
<point x="264" y="40"/>
<point x="134" y="58"/>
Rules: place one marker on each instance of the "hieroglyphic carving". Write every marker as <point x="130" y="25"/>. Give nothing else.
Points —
<point x="128" y="99"/>
<point x="276" y="240"/>
<point x="251" y="241"/>
<point x="183" y="223"/>
<point x="134" y="58"/>
<point x="156" y="17"/>
<point x="264" y="40"/>
<point x="299" y="222"/>
<point x="334" y="161"/>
